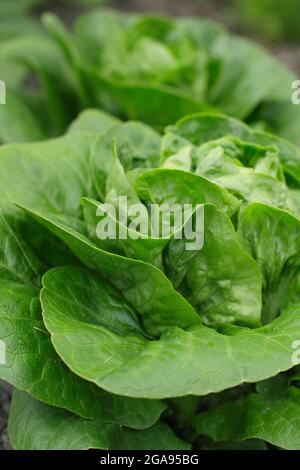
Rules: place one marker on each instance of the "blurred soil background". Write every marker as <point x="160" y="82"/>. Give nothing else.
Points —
<point x="283" y="42"/>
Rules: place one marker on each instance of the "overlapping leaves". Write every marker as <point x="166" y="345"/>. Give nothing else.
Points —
<point x="118" y="326"/>
<point x="149" y="63"/>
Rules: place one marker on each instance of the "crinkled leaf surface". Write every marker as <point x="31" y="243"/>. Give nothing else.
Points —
<point x="220" y="279"/>
<point x="51" y="176"/>
<point x="33" y="365"/>
<point x="143" y="286"/>
<point x="203" y="127"/>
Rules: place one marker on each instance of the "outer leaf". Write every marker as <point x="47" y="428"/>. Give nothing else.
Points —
<point x="60" y="430"/>
<point x="33" y="365"/>
<point x="275" y="420"/>
<point x="93" y="121"/>
<point x="61" y="35"/>
<point x="41" y="57"/>
<point x="140" y="102"/>
<point x="31" y="362"/>
<point x="41" y="182"/>
<point x="197" y="361"/>
<point x="17" y="122"/>
<point x="272" y="237"/>
<point x="244" y="63"/>
<point x="283" y="118"/>
<point x="16" y="256"/>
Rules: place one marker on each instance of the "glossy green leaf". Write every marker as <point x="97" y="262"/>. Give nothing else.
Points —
<point x="271" y="236"/>
<point x="60" y="430"/>
<point x="135" y="366"/>
<point x="220" y="280"/>
<point x="33" y="365"/>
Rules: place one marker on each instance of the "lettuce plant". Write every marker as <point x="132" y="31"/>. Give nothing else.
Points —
<point x="133" y="65"/>
<point x="114" y="344"/>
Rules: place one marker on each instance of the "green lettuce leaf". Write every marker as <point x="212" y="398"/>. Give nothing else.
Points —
<point x="93" y="121"/>
<point x="32" y="365"/>
<point x="209" y="277"/>
<point x="271" y="236"/>
<point x="172" y="186"/>
<point x="136" y="366"/>
<point x="17" y="122"/>
<point x="143" y="286"/>
<point x="60" y="430"/>
<point x="275" y="420"/>
<point x="203" y="127"/>
<point x="136" y="145"/>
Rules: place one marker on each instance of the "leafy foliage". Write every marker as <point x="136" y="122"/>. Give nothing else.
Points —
<point x="135" y="342"/>
<point x="148" y="63"/>
<point x="141" y="344"/>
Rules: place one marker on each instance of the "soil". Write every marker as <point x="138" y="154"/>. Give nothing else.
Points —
<point x="5" y="394"/>
<point x="213" y="9"/>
